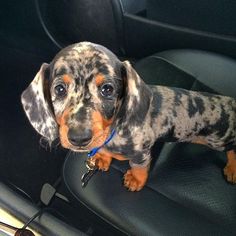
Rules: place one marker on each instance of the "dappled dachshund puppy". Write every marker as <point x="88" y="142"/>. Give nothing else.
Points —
<point x="86" y="92"/>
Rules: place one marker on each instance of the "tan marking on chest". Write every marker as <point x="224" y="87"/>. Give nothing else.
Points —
<point x="113" y="155"/>
<point x="199" y="140"/>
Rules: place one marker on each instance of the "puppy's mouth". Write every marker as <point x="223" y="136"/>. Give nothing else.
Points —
<point x="96" y="141"/>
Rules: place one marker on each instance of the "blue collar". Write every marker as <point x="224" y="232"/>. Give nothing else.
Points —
<point x="96" y="149"/>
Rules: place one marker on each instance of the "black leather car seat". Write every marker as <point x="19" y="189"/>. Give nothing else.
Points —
<point x="186" y="193"/>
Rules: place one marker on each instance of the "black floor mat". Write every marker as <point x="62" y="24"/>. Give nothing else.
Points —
<point x="23" y="161"/>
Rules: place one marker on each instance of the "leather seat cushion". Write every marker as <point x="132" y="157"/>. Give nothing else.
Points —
<point x="186" y="193"/>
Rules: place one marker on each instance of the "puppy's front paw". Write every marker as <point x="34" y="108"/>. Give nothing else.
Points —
<point x="230" y="173"/>
<point x="230" y="168"/>
<point x="103" y="161"/>
<point x="135" y="178"/>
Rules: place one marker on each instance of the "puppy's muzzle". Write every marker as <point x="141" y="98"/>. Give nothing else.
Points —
<point x="79" y="137"/>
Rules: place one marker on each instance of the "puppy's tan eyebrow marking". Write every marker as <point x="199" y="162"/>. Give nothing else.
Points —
<point x="67" y="79"/>
<point x="99" y="79"/>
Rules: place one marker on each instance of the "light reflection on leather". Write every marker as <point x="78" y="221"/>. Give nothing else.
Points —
<point x="11" y="220"/>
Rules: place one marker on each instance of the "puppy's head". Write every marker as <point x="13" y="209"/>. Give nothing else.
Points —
<point x="78" y="95"/>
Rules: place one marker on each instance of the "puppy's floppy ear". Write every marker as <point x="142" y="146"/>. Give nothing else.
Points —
<point x="132" y="82"/>
<point x="137" y="93"/>
<point x="129" y="71"/>
<point x="37" y="106"/>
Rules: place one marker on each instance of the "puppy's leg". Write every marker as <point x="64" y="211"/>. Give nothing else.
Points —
<point x="136" y="178"/>
<point x="104" y="158"/>
<point x="103" y="161"/>
<point x="230" y="168"/>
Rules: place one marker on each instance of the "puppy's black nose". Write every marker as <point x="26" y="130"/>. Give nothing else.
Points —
<point x="79" y="137"/>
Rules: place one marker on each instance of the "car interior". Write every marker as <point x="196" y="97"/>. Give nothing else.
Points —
<point x="188" y="44"/>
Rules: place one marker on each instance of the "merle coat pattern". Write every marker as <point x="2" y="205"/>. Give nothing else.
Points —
<point x="86" y="92"/>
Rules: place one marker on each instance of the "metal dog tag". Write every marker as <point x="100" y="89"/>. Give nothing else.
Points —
<point x="91" y="170"/>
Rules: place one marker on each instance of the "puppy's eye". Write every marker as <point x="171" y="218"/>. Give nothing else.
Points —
<point x="107" y="90"/>
<point x="60" y="90"/>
